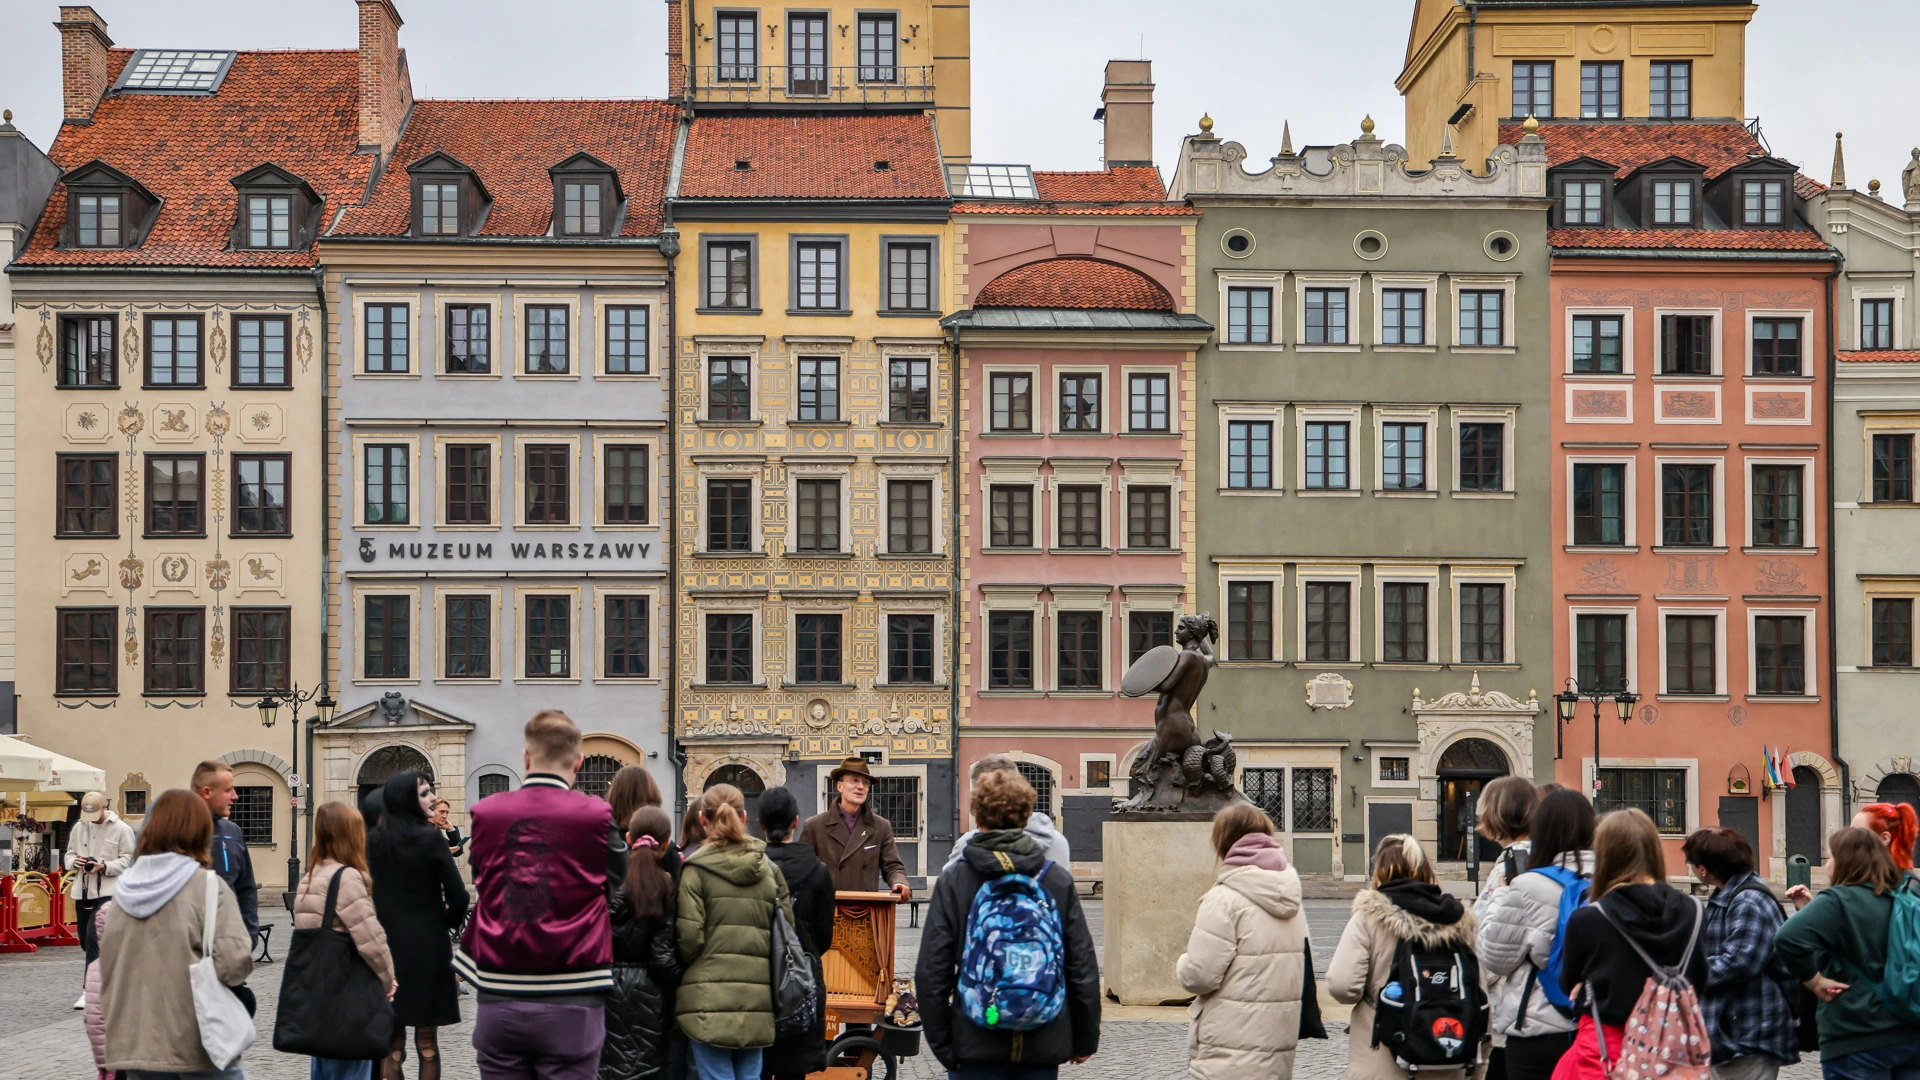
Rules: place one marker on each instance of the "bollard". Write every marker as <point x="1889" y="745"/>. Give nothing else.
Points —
<point x="1799" y="872"/>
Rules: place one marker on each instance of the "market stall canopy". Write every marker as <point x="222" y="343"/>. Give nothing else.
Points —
<point x="70" y="774"/>
<point x="24" y="766"/>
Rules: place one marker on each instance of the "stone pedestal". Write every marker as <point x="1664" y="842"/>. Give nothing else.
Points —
<point x="1157" y="867"/>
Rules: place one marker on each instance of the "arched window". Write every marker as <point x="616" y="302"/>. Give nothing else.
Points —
<point x="1041" y="778"/>
<point x="1474" y="756"/>
<point x="381" y="765"/>
<point x="751" y="788"/>
<point x="596" y="774"/>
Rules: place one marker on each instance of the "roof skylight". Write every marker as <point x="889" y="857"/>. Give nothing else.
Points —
<point x="992" y="181"/>
<point x="177" y="70"/>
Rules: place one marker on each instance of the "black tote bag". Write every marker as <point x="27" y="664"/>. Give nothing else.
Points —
<point x="331" y="1003"/>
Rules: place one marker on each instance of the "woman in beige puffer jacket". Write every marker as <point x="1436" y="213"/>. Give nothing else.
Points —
<point x="1247" y="957"/>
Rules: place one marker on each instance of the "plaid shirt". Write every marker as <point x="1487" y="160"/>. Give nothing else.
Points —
<point x="1749" y="999"/>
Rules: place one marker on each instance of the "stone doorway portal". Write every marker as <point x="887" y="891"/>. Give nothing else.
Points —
<point x="1466" y="768"/>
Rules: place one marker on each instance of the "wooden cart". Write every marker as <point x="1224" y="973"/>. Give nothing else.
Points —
<point x="859" y="975"/>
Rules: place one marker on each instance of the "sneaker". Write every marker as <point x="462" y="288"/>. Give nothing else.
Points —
<point x="82" y="1003"/>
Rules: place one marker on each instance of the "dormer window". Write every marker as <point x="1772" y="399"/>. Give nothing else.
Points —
<point x="582" y="209"/>
<point x="106" y="208"/>
<point x="269" y="221"/>
<point x="440" y="209"/>
<point x="587" y="200"/>
<point x="97" y="221"/>
<point x="448" y="197"/>
<point x="1756" y="194"/>
<point x="1665" y="194"/>
<point x="1585" y="190"/>
<point x="278" y="211"/>
<point x="1672" y="203"/>
<point x="1763" y="202"/>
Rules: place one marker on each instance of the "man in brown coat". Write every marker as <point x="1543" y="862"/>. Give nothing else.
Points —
<point x="854" y="842"/>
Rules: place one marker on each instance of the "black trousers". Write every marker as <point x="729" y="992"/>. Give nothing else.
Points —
<point x="1533" y="1057"/>
<point x="83" y="915"/>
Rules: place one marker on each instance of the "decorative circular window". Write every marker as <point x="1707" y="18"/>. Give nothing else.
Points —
<point x="1501" y="245"/>
<point x="1371" y="245"/>
<point x="1237" y="243"/>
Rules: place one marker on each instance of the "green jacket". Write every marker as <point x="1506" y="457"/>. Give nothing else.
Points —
<point x="1843" y="935"/>
<point x="725" y="930"/>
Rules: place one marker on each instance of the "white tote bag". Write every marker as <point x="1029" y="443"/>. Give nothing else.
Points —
<point x="225" y="1028"/>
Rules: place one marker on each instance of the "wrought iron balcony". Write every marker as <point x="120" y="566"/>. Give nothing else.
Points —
<point x="765" y="84"/>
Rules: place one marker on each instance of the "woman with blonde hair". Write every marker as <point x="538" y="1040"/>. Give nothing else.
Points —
<point x="340" y="850"/>
<point x="1404" y="904"/>
<point x="1247" y="956"/>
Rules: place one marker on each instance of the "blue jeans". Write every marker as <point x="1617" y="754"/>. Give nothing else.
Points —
<point x="721" y="1063"/>
<point x="1900" y="1061"/>
<point x="338" y="1069"/>
<point x="1005" y="1072"/>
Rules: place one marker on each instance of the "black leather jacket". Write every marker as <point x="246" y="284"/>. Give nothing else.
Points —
<point x="646" y="969"/>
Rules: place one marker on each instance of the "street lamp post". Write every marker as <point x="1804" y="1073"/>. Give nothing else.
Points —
<point x="323" y="714"/>
<point x="1567" y="703"/>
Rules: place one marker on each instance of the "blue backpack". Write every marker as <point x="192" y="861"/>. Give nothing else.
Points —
<point x="1573" y="894"/>
<point x="1899" y="985"/>
<point x="1012" y="968"/>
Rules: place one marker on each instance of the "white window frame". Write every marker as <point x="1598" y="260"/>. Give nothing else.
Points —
<point x="1274" y="413"/>
<point x="1907" y="424"/>
<point x="1631" y="534"/>
<point x="736" y="469"/>
<point x="1105" y="413"/>
<point x="1509" y="421"/>
<point x="1113" y="773"/>
<point x="1871" y="289"/>
<point x="416" y="662"/>
<point x="1809" y="501"/>
<point x="1012" y="598"/>
<point x="577" y="357"/>
<point x="1232" y="571"/>
<point x="1080" y="600"/>
<point x="1012" y="472"/>
<point x="1394" y="574"/>
<point x="1310" y="573"/>
<point x="654" y="652"/>
<point x="1068" y="471"/>
<point x="361" y="440"/>
<point x="1410" y="751"/>
<point x="891" y="470"/>
<point x="1719" y="316"/>
<point x="498" y="358"/>
<point x="1145" y="598"/>
<point x="1273" y="280"/>
<point x="753" y="606"/>
<point x="900" y="605"/>
<point x="1040" y="405"/>
<point x="446" y="590"/>
<point x="656" y="327"/>
<point x="1807" y="356"/>
<point x="521" y="594"/>
<point x="1306" y="414"/>
<point x="894" y="350"/>
<point x="1721" y="690"/>
<point x="1691" y="765"/>
<point x="1428" y="283"/>
<point x="1719" y="466"/>
<point x="1625" y="315"/>
<point x="1810" y="642"/>
<point x="441" y="441"/>
<point x="655" y="462"/>
<point x="523" y="439"/>
<point x="358" y="343"/>
<point x="1632" y="644"/>
<point x="1174" y="399"/>
<point x="799" y="604"/>
<point x="811" y="470"/>
<point x="750" y="346"/>
<point x="1426" y="416"/>
<point x="1349" y="282"/>
<point x="1508" y="580"/>
<point x="837" y="350"/>
<point x="1149" y="473"/>
<point x="1505" y="285"/>
<point x="1882" y="588"/>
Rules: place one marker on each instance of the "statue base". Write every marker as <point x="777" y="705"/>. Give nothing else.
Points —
<point x="1157" y="864"/>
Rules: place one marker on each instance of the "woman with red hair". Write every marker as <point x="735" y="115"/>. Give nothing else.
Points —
<point x="1895" y="824"/>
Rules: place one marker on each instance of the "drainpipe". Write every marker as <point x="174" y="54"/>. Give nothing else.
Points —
<point x="1473" y="22"/>
<point x="1833" y="573"/>
<point x="670" y="247"/>
<point x="326" y="550"/>
<point x="953" y="627"/>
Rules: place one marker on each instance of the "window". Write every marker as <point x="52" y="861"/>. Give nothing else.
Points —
<point x="1403" y="317"/>
<point x="728" y="397"/>
<point x="1403" y="618"/>
<point x="1876" y="326"/>
<point x="1583" y="202"/>
<point x="1686" y="345"/>
<point x="1403" y="457"/>
<point x="260" y="494"/>
<point x="86" y="351"/>
<point x="387" y="637"/>
<point x="1673" y="202"/>
<point x="738" y="47"/>
<point x="816" y="649"/>
<point x="909" y="517"/>
<point x="252" y="812"/>
<point x="1079" y="515"/>
<point x="546" y="339"/>
<point x="469" y="495"/>
<point x="1533" y="89"/>
<point x="549" y="637"/>
<point x="580" y="208"/>
<point x="626" y="490"/>
<point x="1312" y="800"/>
<point x="175" y="637"/>
<point x="1012" y="401"/>
<point x="259" y="650"/>
<point x="1893" y="468"/>
<point x="1393" y="769"/>
<point x="1763" y="202"/>
<point x="1149" y="403"/>
<point x="1080" y="402"/>
<point x="1326" y="317"/>
<point x="1659" y="793"/>
<point x="1249" y="316"/>
<point x="384" y="487"/>
<point x="909" y="269"/>
<point x="1686" y="505"/>
<point x="176" y="495"/>
<point x="1599" y="91"/>
<point x="1267" y="789"/>
<point x="259" y="351"/>
<point x="99" y="221"/>
<point x="89" y="651"/>
<point x="1149" y="516"/>
<point x="1099" y="774"/>
<point x="1483" y="624"/>
<point x="729" y="515"/>
<point x="1597" y="344"/>
<point x="1670" y="94"/>
<point x="173" y="351"/>
<point x="469" y="641"/>
<point x="897" y="798"/>
<point x="548" y="501"/>
<point x="627" y="334"/>
<point x="817" y="516"/>
<point x="730" y="648"/>
<point x="1250" y="620"/>
<point x="1012" y="511"/>
<point x="1776" y="506"/>
<point x="1327" y="456"/>
<point x="819" y="389"/>
<point x="1079" y="650"/>
<point x="1010" y="650"/>
<point x="730" y="274"/>
<point x="1893" y="633"/>
<point x="817" y="275"/>
<point x="909" y="390"/>
<point x="627" y="637"/>
<point x="269" y="221"/>
<point x="910" y="649"/>
<point x="89" y="485"/>
<point x="439" y="209"/>
<point x="1690" y="654"/>
<point x="1147" y="629"/>
<point x="386" y="351"/>
<point x="806" y="55"/>
<point x="1482" y="457"/>
<point x="1776" y="346"/>
<point x="493" y="784"/>
<point x="469" y="339"/>
<point x="1600" y="504"/>
<point x="1250" y="454"/>
<point x="879" y="49"/>
<point x="991" y="181"/>
<point x="1482" y="323"/>
<point x="1329" y="605"/>
<point x="1600" y="652"/>
<point x="1779" y="654"/>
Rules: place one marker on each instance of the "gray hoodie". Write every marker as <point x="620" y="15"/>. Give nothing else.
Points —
<point x="1040" y="827"/>
<point x="149" y="884"/>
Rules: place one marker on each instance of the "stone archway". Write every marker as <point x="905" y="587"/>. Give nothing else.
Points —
<point x="383" y="763"/>
<point x="1467" y="765"/>
<point x="1824" y="799"/>
<point x="1495" y="733"/>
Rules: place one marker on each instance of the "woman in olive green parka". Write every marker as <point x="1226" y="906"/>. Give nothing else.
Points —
<point x="728" y="892"/>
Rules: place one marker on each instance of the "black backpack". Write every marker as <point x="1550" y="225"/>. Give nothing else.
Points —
<point x="1432" y="1013"/>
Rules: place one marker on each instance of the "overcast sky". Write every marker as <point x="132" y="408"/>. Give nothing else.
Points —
<point x="1814" y="66"/>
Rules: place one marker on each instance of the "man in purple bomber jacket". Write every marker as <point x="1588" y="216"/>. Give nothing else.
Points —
<point x="539" y="947"/>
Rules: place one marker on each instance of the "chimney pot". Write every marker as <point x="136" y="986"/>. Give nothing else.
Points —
<point x="83" y="60"/>
<point x="1126" y="102"/>
<point x="386" y="91"/>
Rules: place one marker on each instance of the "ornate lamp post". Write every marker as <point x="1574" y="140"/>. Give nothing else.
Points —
<point x="1567" y="703"/>
<point x="323" y="714"/>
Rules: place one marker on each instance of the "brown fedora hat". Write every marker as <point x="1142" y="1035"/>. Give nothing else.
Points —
<point x="857" y="766"/>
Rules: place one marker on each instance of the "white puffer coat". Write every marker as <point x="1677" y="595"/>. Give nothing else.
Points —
<point x="1516" y="939"/>
<point x="110" y="841"/>
<point x="1247" y="962"/>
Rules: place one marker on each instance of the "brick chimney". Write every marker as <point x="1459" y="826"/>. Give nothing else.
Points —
<point x="83" y="61"/>
<point x="386" y="92"/>
<point x="676" y="48"/>
<point x="1126" y="106"/>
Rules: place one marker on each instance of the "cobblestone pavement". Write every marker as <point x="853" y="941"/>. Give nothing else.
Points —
<point x="41" y="1036"/>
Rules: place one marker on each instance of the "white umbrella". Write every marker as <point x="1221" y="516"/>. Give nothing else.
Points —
<point x="24" y="766"/>
<point x="70" y="774"/>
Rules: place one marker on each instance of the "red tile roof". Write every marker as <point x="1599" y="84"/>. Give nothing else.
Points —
<point x="813" y="157"/>
<point x="1046" y="209"/>
<point x="1086" y="284"/>
<point x="1136" y="183"/>
<point x="1689" y="239"/>
<point x="1627" y="145"/>
<point x="1882" y="356"/>
<point x="512" y="144"/>
<point x="297" y="109"/>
